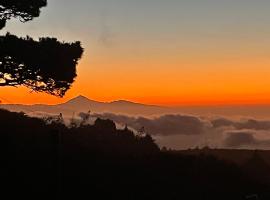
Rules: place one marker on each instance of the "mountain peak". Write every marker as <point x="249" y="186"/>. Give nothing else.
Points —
<point x="80" y="99"/>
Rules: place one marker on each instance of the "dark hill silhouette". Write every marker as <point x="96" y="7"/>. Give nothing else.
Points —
<point x="236" y="156"/>
<point x="258" y="167"/>
<point x="47" y="158"/>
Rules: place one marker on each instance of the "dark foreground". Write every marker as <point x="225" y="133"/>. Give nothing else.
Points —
<point x="41" y="160"/>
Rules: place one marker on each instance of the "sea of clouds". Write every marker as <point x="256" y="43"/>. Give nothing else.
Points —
<point x="181" y="131"/>
<point x="187" y="131"/>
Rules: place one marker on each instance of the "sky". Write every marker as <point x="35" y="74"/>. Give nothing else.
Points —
<point x="173" y="52"/>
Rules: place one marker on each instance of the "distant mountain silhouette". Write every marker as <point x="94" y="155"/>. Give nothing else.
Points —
<point x="80" y="99"/>
<point x="83" y="104"/>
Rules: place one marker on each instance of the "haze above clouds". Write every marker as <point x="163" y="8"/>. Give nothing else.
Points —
<point x="177" y="128"/>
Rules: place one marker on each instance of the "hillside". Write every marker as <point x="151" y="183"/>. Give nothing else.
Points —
<point x="237" y="156"/>
<point x="48" y="159"/>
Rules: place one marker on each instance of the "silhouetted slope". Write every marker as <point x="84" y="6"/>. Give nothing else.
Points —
<point x="237" y="156"/>
<point x="101" y="161"/>
<point x="258" y="168"/>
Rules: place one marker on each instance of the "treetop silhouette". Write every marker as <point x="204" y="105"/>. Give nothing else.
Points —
<point x="44" y="65"/>
<point x="25" y="10"/>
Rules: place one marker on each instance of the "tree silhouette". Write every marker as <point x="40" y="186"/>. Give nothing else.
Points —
<point x="45" y="65"/>
<point x="25" y="10"/>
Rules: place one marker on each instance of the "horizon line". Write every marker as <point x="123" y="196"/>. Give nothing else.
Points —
<point x="165" y="105"/>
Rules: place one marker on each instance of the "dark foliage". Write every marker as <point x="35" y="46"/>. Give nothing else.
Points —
<point x="102" y="162"/>
<point x="25" y="10"/>
<point x="46" y="65"/>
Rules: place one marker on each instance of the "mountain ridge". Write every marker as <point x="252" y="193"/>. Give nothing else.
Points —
<point x="82" y="103"/>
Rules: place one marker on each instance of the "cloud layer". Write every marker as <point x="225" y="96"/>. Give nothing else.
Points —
<point x="185" y="131"/>
<point x="245" y="139"/>
<point x="164" y="125"/>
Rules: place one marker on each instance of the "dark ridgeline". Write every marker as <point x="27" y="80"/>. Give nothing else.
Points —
<point x="41" y="158"/>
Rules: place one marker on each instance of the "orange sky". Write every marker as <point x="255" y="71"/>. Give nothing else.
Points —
<point x="146" y="81"/>
<point x="179" y="53"/>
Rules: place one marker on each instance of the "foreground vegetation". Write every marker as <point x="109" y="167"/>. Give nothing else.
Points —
<point x="99" y="161"/>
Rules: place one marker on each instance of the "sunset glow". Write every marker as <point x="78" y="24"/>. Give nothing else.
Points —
<point x="217" y="55"/>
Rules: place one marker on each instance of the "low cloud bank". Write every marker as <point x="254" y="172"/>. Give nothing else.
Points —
<point x="182" y="131"/>
<point x="189" y="131"/>
<point x="245" y="139"/>
<point x="164" y="125"/>
<point x="244" y="124"/>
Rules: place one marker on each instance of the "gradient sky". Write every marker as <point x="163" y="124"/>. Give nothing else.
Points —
<point x="171" y="52"/>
